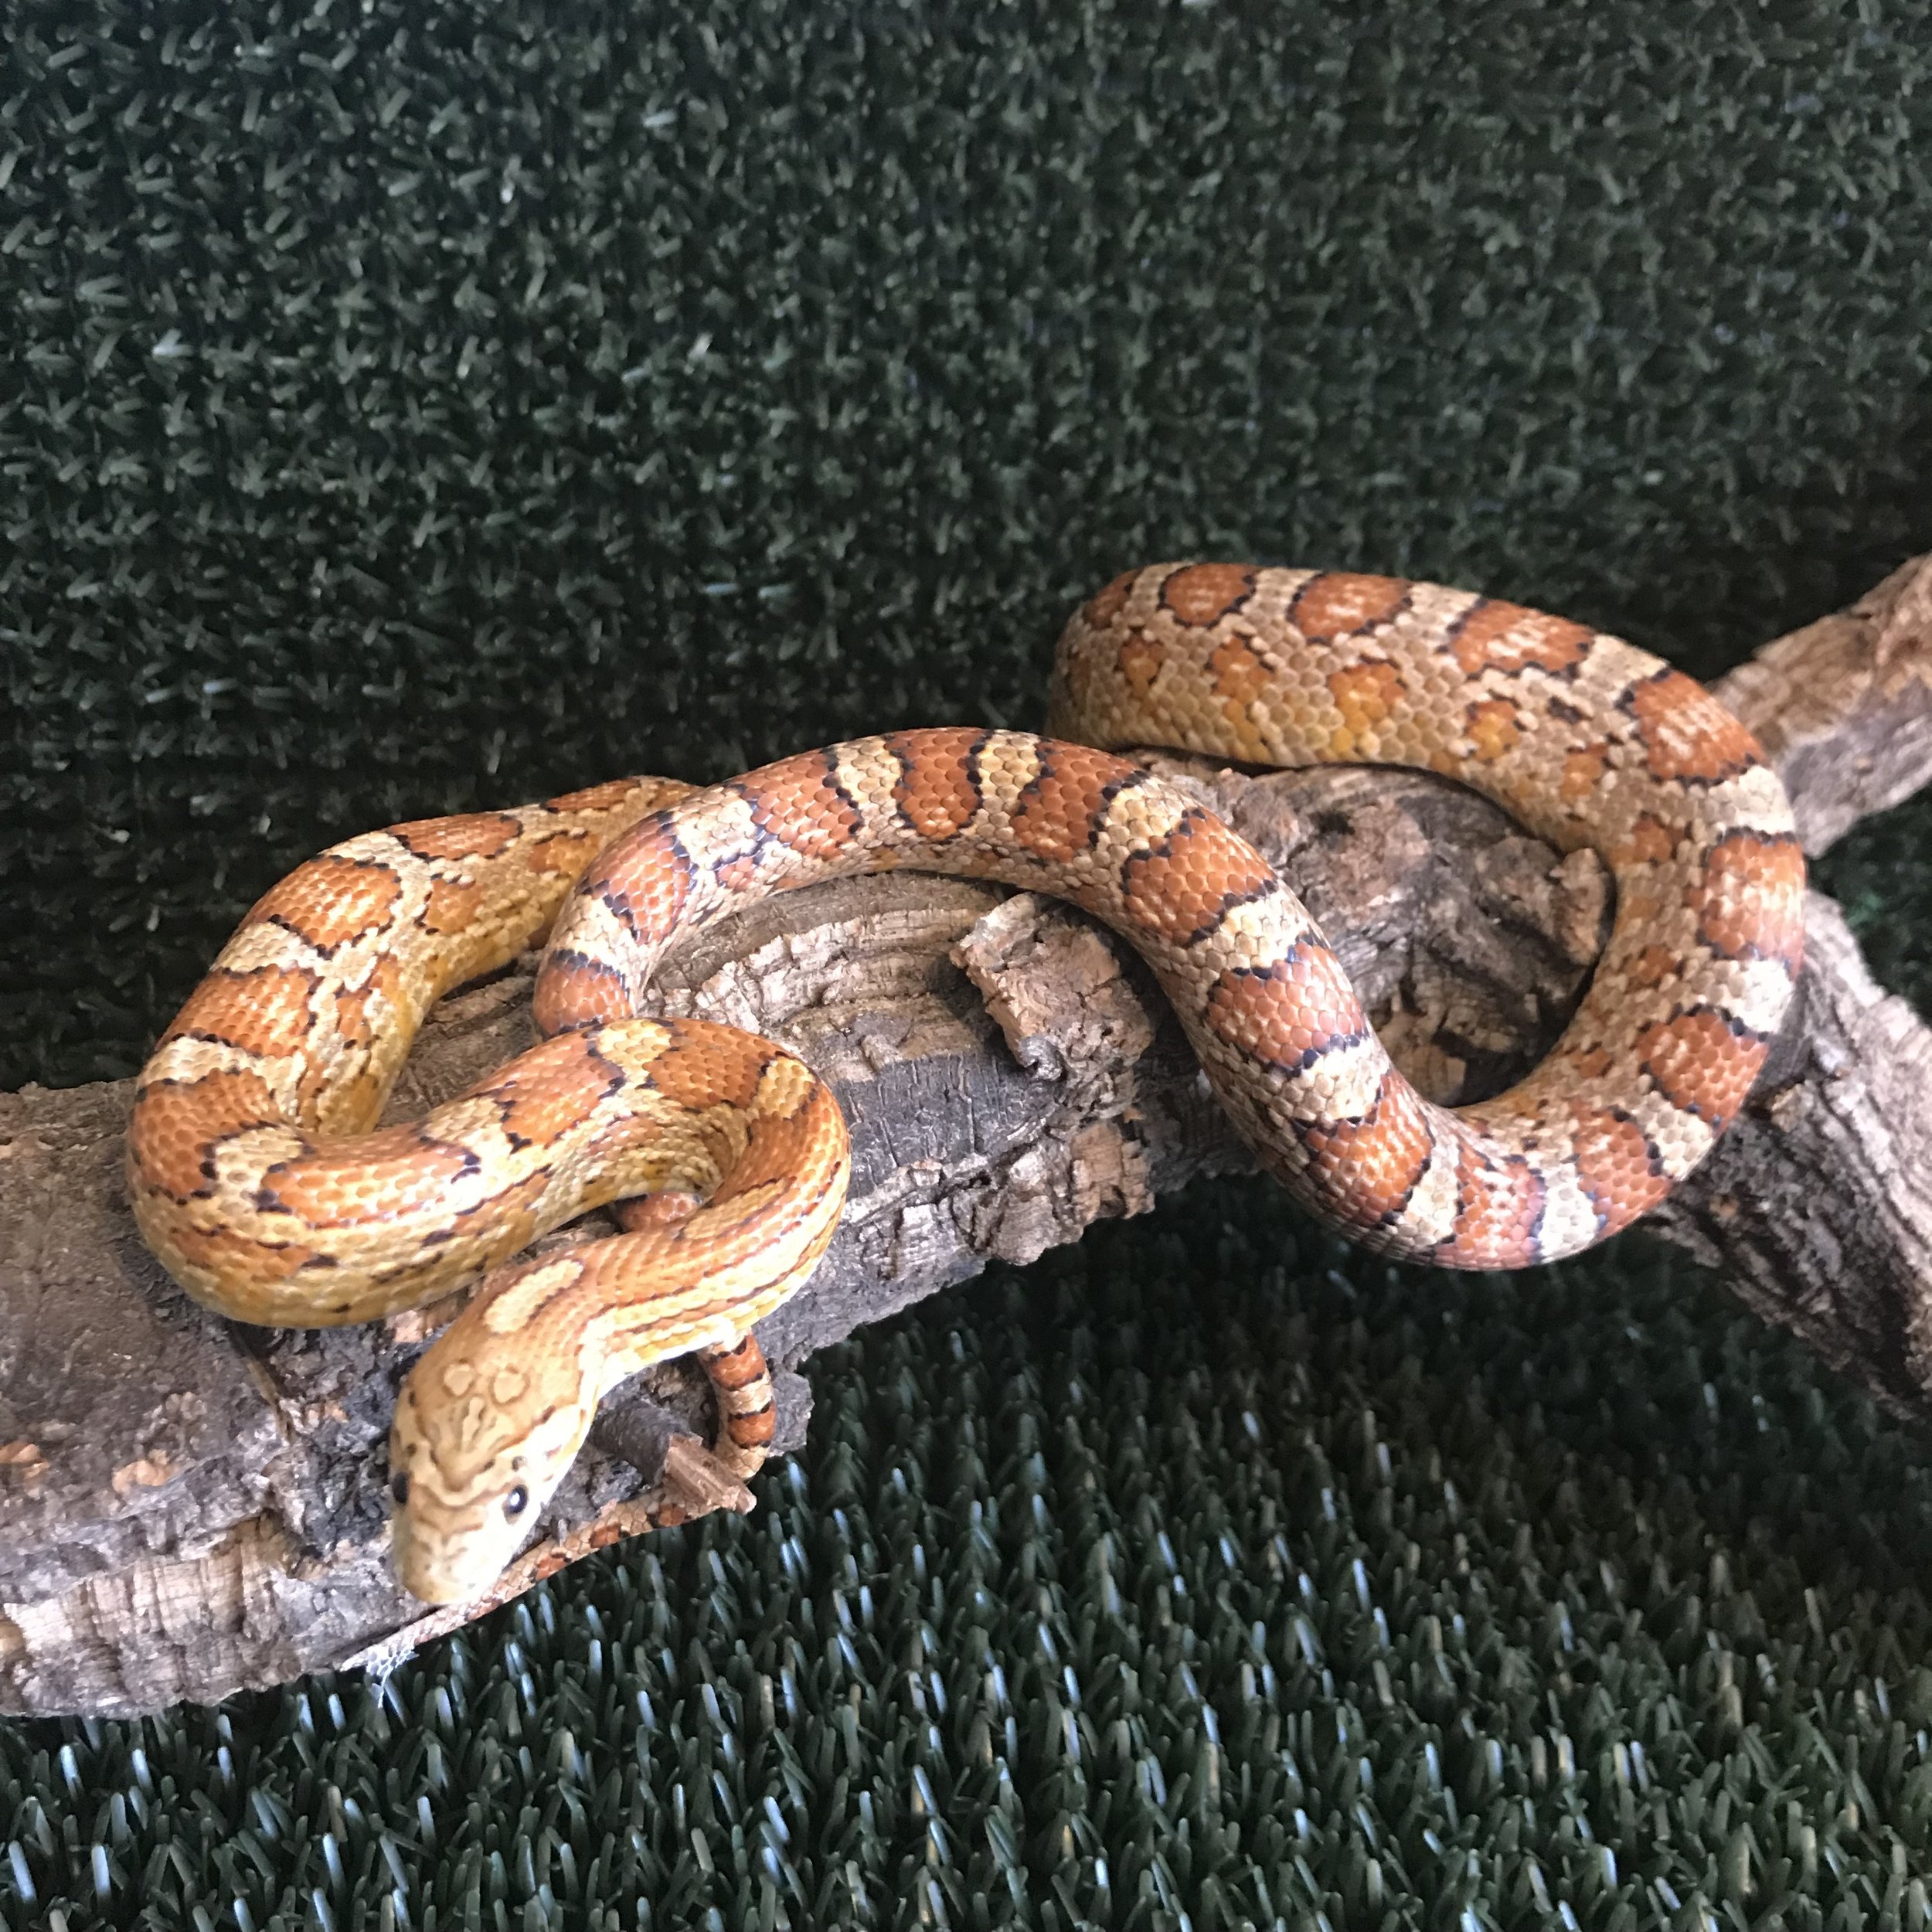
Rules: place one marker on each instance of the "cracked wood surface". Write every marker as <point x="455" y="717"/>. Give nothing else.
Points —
<point x="188" y="1507"/>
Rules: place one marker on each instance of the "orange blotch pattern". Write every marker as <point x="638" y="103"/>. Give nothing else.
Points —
<point x="1056" y="814"/>
<point x="1370" y="1167"/>
<point x="1365" y="694"/>
<point x="1616" y="1168"/>
<point x="1495" y="727"/>
<point x="1495" y="636"/>
<point x="174" y="1127"/>
<point x="476" y="834"/>
<point x="357" y="1009"/>
<point x="1342" y="604"/>
<point x="780" y="1149"/>
<point x="1180" y="887"/>
<point x="1287" y="1015"/>
<point x="1203" y="594"/>
<point x="757" y="1430"/>
<point x="738" y="1368"/>
<point x="936" y="792"/>
<point x="451" y="906"/>
<point x="1700" y="1065"/>
<point x="1241" y="673"/>
<point x="330" y="901"/>
<point x="645" y="879"/>
<point x="396" y="1172"/>
<point x="1499" y="1209"/>
<point x="1104" y="606"/>
<point x="664" y="1210"/>
<point x="1649" y="841"/>
<point x="1687" y="733"/>
<point x="1241" y="677"/>
<point x="1583" y="771"/>
<point x="563" y="852"/>
<point x="572" y="991"/>
<point x="546" y="1092"/>
<point x="224" y="1252"/>
<point x="1140" y="658"/>
<point x="1750" y="901"/>
<point x="799" y="802"/>
<point x="714" y="1073"/>
<point x="265" y="1009"/>
<point x="1651" y="966"/>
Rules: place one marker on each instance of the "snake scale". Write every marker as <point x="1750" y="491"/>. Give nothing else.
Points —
<point x="258" y="1182"/>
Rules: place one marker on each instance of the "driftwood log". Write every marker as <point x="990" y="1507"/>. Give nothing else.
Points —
<point x="188" y="1507"/>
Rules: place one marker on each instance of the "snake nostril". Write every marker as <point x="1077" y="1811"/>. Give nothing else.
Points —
<point x="399" y="1486"/>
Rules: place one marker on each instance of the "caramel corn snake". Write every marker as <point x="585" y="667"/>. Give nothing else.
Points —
<point x="257" y="1181"/>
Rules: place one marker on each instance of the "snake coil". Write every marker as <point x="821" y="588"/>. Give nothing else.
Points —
<point x="257" y="1180"/>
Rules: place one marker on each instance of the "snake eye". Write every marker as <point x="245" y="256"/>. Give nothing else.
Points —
<point x="399" y="1485"/>
<point x="516" y="1502"/>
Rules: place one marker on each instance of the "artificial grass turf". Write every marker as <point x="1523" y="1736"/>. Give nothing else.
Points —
<point x="412" y="408"/>
<point x="1184" y="1579"/>
<point x="417" y="407"/>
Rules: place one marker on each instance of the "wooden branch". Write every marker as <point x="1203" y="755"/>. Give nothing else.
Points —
<point x="188" y="1508"/>
<point x="1844" y="706"/>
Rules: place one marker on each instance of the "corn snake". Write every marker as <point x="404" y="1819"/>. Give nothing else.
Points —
<point x="256" y="1182"/>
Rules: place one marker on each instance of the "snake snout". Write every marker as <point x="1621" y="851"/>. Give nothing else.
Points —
<point x="448" y="1551"/>
<point x="440" y="1568"/>
<point x="469" y="1482"/>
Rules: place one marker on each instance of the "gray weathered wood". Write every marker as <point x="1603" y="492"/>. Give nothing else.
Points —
<point x="1844" y="706"/>
<point x="188" y="1508"/>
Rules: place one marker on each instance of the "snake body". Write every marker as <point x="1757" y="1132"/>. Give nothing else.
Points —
<point x="257" y="1182"/>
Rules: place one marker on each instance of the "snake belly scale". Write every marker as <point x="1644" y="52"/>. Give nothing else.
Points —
<point x="256" y="1180"/>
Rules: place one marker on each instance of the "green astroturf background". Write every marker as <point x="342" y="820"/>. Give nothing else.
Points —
<point x="409" y="407"/>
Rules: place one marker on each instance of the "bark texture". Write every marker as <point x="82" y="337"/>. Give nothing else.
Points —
<point x="1844" y="706"/>
<point x="188" y="1507"/>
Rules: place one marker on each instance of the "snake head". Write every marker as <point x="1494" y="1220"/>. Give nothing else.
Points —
<point x="481" y="1439"/>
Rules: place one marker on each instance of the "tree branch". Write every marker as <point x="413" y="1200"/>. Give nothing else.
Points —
<point x="187" y="1507"/>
